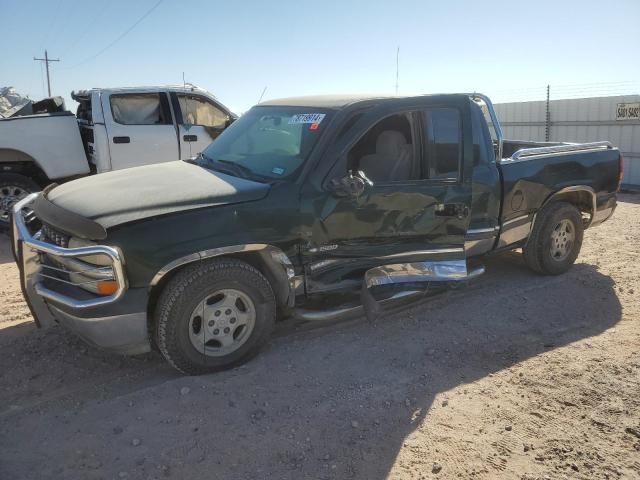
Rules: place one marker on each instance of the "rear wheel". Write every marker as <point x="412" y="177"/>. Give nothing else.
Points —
<point x="214" y="315"/>
<point x="13" y="187"/>
<point x="556" y="239"/>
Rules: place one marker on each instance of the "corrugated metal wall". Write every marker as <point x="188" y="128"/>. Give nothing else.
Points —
<point x="578" y="120"/>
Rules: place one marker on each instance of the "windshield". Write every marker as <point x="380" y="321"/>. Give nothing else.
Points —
<point x="268" y="142"/>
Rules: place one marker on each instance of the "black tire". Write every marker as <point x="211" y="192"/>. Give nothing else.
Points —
<point x="10" y="183"/>
<point x="538" y="250"/>
<point x="191" y="286"/>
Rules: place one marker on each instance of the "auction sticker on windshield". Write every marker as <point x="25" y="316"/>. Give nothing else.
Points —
<point x="307" y="118"/>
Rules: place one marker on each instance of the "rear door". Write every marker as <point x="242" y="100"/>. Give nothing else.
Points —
<point x="413" y="213"/>
<point x="200" y="121"/>
<point x="140" y="129"/>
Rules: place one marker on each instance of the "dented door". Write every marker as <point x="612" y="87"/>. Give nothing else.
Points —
<point x="397" y="222"/>
<point x="386" y="225"/>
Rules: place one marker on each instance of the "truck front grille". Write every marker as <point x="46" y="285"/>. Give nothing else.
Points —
<point x="51" y="235"/>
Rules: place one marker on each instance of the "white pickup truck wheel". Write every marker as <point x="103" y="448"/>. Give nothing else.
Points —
<point x="13" y="187"/>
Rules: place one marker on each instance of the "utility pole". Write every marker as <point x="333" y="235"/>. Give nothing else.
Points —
<point x="46" y="61"/>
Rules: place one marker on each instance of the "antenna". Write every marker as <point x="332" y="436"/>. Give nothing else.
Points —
<point x="263" y="91"/>
<point x="397" y="67"/>
<point x="46" y="61"/>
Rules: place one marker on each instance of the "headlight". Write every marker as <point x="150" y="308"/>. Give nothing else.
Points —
<point x="91" y="272"/>
<point x="101" y="260"/>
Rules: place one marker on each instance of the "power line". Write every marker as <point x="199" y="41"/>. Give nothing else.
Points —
<point x="121" y="36"/>
<point x="88" y="27"/>
<point x="53" y="24"/>
<point x="568" y="91"/>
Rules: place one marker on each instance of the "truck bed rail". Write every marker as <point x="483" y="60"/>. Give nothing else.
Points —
<point x="534" y="152"/>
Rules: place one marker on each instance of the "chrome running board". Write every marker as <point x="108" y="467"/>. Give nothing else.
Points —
<point x="429" y="271"/>
<point x="343" y="313"/>
<point x="435" y="271"/>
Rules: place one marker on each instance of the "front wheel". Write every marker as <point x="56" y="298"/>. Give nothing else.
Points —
<point x="214" y="315"/>
<point x="556" y="239"/>
<point x="13" y="187"/>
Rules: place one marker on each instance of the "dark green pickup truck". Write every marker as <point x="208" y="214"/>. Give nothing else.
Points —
<point x="298" y="208"/>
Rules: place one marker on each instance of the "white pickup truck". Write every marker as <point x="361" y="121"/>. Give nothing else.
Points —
<point x="114" y="128"/>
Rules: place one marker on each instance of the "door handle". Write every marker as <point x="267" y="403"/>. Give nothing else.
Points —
<point x="459" y="210"/>
<point x="190" y="138"/>
<point x="121" y="140"/>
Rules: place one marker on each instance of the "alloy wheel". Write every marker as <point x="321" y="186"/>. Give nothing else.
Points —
<point x="222" y="322"/>
<point x="562" y="239"/>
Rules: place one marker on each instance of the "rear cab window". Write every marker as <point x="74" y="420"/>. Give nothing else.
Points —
<point x="83" y="113"/>
<point x="140" y="109"/>
<point x="199" y="111"/>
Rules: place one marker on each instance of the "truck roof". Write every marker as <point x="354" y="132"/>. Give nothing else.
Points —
<point x="338" y="101"/>
<point x="79" y="95"/>
<point x="145" y="89"/>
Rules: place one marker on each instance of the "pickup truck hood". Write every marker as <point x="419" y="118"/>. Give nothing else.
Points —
<point x="123" y="196"/>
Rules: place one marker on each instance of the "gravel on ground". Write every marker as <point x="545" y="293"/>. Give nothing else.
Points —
<point x="515" y="376"/>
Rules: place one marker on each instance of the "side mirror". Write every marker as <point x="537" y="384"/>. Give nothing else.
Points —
<point x="353" y="184"/>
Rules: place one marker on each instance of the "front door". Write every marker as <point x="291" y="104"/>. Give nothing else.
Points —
<point x="200" y="121"/>
<point x="414" y="202"/>
<point x="140" y="129"/>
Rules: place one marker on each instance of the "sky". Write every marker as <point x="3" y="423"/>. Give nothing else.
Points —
<point x="235" y="49"/>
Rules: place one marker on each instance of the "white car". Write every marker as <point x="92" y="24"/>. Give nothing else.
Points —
<point x="114" y="128"/>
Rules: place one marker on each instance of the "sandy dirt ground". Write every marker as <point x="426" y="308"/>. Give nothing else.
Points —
<point x="515" y="376"/>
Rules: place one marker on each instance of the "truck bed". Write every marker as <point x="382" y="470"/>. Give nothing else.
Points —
<point x="534" y="171"/>
<point x="51" y="136"/>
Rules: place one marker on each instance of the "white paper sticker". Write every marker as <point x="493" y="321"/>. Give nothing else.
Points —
<point x="277" y="170"/>
<point x="307" y="118"/>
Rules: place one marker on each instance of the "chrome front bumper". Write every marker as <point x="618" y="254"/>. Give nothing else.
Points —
<point x="125" y="332"/>
<point x="28" y="249"/>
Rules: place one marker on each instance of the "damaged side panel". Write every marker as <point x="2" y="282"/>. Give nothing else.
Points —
<point x="422" y="221"/>
<point x="433" y="271"/>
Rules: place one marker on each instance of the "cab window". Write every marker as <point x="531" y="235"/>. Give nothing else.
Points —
<point x="385" y="153"/>
<point x="139" y="109"/>
<point x="198" y="111"/>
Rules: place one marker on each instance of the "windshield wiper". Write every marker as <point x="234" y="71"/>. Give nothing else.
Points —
<point x="208" y="162"/>
<point x="197" y="159"/>
<point x="227" y="166"/>
<point x="244" y="172"/>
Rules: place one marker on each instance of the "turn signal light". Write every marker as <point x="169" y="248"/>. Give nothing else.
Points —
<point x="107" y="287"/>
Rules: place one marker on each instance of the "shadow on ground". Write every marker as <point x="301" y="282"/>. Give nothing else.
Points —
<point x="630" y="197"/>
<point x="319" y="403"/>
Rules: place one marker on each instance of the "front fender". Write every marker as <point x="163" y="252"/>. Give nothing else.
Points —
<point x="275" y="264"/>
